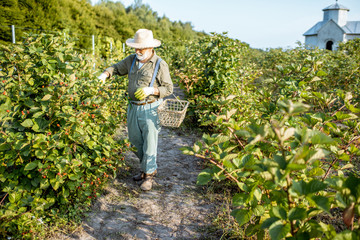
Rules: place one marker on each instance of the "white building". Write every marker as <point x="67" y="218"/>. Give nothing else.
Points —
<point x="334" y="28"/>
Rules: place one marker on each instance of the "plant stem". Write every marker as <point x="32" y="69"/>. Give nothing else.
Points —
<point x="288" y="181"/>
<point x="236" y="137"/>
<point x="338" y="110"/>
<point x="328" y="171"/>
<point x="219" y="166"/>
<point x="4" y="198"/>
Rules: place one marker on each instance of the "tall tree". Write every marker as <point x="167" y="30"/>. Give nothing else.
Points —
<point x="10" y="14"/>
<point x="106" y="19"/>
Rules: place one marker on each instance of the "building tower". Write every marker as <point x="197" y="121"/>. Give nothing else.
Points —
<point x="334" y="28"/>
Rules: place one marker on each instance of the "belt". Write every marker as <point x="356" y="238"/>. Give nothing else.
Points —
<point x="143" y="103"/>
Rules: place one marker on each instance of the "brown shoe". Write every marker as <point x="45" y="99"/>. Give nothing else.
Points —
<point x="138" y="177"/>
<point x="147" y="184"/>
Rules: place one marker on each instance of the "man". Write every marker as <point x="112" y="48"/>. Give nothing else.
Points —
<point x="142" y="119"/>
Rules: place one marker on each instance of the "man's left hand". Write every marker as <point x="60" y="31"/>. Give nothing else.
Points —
<point x="142" y="93"/>
<point x="103" y="77"/>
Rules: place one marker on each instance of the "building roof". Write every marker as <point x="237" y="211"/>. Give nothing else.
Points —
<point x="314" y="30"/>
<point x="351" y="27"/>
<point x="336" y="6"/>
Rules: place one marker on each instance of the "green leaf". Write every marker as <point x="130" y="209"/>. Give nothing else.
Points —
<point x="240" y="199"/>
<point x="252" y="229"/>
<point x="315" y="155"/>
<point x="321" y="73"/>
<point x="242" y="133"/>
<point x="345" y="116"/>
<point x="30" y="81"/>
<point x="318" y="116"/>
<point x="288" y="133"/>
<point x="344" y="157"/>
<point x="5" y="146"/>
<point x="27" y="123"/>
<point x="40" y="124"/>
<point x="279" y="231"/>
<point x="242" y="216"/>
<point x="55" y="183"/>
<point x="208" y="140"/>
<point x="46" y="97"/>
<point x="317" y="171"/>
<point x="91" y="144"/>
<point x="260" y="235"/>
<point x="221" y="139"/>
<point x="257" y="193"/>
<point x="187" y="150"/>
<point x="281" y="161"/>
<point x="292" y="108"/>
<point x="38" y="114"/>
<point x="295" y="167"/>
<point x="236" y="162"/>
<point x="35" y="182"/>
<point x="50" y="201"/>
<point x="353" y="109"/>
<point x="279" y="212"/>
<point x="44" y="183"/>
<point x="314" y="186"/>
<point x="31" y="165"/>
<point x="321" y="138"/>
<point x="196" y="148"/>
<point x="313" y="212"/>
<point x="347" y="235"/>
<point x="74" y="177"/>
<point x="12" y="197"/>
<point x="322" y="202"/>
<point x="326" y="228"/>
<point x="353" y="183"/>
<point x="299" y="187"/>
<point x="268" y="222"/>
<point x="297" y="214"/>
<point x="40" y="154"/>
<point x="227" y="157"/>
<point x="259" y="210"/>
<point x="204" y="177"/>
<point x="247" y="160"/>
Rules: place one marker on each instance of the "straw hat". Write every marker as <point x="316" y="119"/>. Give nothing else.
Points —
<point x="143" y="39"/>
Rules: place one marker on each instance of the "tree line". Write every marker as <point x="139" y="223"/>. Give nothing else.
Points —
<point x="107" y="18"/>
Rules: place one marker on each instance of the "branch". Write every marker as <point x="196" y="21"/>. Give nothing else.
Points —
<point x="355" y="138"/>
<point x="4" y="198"/>
<point x="4" y="133"/>
<point x="338" y="110"/>
<point x="236" y="137"/>
<point x="219" y="166"/>
<point x="328" y="171"/>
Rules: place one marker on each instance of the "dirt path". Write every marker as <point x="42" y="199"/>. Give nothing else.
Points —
<point x="176" y="208"/>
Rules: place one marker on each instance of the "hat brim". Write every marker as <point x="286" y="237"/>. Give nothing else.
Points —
<point x="154" y="43"/>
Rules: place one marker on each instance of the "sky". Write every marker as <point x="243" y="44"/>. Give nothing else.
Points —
<point x="261" y="23"/>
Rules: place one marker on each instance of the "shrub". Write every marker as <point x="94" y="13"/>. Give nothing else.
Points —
<point x="56" y="138"/>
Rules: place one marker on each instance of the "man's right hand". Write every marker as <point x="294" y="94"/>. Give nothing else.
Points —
<point x="103" y="77"/>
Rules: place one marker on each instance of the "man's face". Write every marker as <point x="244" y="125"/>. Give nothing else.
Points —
<point x="143" y="54"/>
<point x="142" y="51"/>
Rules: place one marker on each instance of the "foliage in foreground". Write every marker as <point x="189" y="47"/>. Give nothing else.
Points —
<point x="56" y="138"/>
<point x="289" y="139"/>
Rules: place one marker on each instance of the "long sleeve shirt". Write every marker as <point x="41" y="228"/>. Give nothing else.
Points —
<point x="142" y="77"/>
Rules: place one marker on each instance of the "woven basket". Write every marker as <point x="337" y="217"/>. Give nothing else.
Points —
<point x="172" y="112"/>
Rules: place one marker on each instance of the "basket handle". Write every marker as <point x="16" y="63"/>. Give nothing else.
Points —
<point x="182" y="104"/>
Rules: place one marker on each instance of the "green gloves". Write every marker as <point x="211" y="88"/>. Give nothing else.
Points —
<point x="142" y="93"/>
